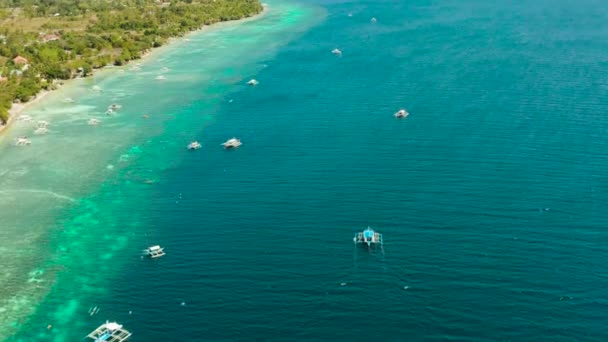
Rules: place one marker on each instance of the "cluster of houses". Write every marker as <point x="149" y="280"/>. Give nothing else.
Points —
<point x="21" y="63"/>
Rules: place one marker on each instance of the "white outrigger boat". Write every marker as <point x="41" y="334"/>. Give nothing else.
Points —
<point x="41" y="131"/>
<point x="109" y="332"/>
<point x="369" y="237"/>
<point x="232" y="143"/>
<point x="24" y="118"/>
<point x="22" y="141"/>
<point x="195" y="145"/>
<point x="154" y="251"/>
<point x="114" y="107"/>
<point x="402" y="113"/>
<point x="253" y="82"/>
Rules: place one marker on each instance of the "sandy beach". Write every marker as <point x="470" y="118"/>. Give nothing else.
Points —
<point x="18" y="108"/>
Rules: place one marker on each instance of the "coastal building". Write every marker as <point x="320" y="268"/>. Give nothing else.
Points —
<point x="45" y="38"/>
<point x="19" y="60"/>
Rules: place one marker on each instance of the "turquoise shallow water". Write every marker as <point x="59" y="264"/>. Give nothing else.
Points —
<point x="491" y="195"/>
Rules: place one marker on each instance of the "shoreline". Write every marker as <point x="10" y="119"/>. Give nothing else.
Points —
<point x="18" y="108"/>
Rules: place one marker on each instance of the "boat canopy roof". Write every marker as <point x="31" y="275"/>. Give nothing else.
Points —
<point x="154" y="248"/>
<point x="113" y="326"/>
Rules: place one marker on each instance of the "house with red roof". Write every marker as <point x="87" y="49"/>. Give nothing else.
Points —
<point x="20" y="60"/>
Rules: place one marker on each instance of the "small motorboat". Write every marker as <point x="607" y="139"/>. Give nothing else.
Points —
<point x="253" y="82"/>
<point x="402" y="113"/>
<point x="42" y="124"/>
<point x="195" y="145"/>
<point x="232" y="143"/>
<point x="160" y="77"/>
<point x="68" y="100"/>
<point x="336" y="52"/>
<point x="94" y="122"/>
<point x="374" y="20"/>
<point x="164" y="69"/>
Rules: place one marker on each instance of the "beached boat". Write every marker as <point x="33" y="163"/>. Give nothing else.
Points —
<point x="22" y="141"/>
<point x="232" y="143"/>
<point x="369" y="237"/>
<point x="68" y="100"/>
<point x="253" y="82"/>
<point x="195" y="145"/>
<point x="96" y="88"/>
<point x="109" y="332"/>
<point x="336" y="52"/>
<point x="94" y="122"/>
<point x="154" y="251"/>
<point x="402" y="113"/>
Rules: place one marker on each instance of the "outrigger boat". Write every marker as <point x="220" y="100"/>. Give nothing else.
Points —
<point x="109" y="332"/>
<point x="22" y="141"/>
<point x="154" y="251"/>
<point x="402" y="113"/>
<point x="369" y="237"/>
<point x="232" y="143"/>
<point x="195" y="145"/>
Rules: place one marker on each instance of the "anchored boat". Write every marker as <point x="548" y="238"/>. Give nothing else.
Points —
<point x="369" y="237"/>
<point x="402" y="113"/>
<point x="232" y="143"/>
<point x="195" y="145"/>
<point x="155" y="251"/>
<point x="22" y="141"/>
<point x="109" y="332"/>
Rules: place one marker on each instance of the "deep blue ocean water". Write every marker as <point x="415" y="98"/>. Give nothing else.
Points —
<point x="491" y="195"/>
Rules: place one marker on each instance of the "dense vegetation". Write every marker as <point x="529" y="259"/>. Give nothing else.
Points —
<point x="62" y="39"/>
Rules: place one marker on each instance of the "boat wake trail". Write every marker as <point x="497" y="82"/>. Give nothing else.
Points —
<point x="42" y="192"/>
